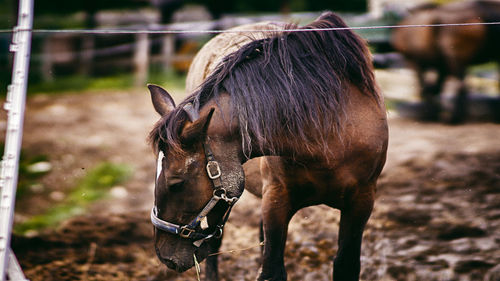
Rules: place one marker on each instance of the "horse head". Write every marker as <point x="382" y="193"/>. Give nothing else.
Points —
<point x="199" y="178"/>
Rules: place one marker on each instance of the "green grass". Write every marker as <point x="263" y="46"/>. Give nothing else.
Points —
<point x="170" y="79"/>
<point x="27" y="176"/>
<point x="80" y="83"/>
<point x="482" y="69"/>
<point x="93" y="186"/>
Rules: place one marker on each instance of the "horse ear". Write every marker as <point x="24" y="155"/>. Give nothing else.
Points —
<point x="162" y="101"/>
<point x="198" y="129"/>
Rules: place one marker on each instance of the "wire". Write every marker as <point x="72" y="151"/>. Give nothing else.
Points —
<point x="147" y="31"/>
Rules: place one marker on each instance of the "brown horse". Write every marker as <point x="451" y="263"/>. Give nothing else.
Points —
<point x="448" y="50"/>
<point x="308" y="97"/>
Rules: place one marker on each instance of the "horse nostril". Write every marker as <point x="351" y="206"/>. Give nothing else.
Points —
<point x="170" y="264"/>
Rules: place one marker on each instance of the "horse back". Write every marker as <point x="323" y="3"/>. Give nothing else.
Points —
<point x="214" y="51"/>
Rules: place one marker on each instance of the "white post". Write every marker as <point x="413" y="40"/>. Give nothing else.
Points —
<point x="375" y="8"/>
<point x="167" y="51"/>
<point x="14" y="105"/>
<point x="141" y="59"/>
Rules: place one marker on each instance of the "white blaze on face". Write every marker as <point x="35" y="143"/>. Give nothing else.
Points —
<point x="159" y="165"/>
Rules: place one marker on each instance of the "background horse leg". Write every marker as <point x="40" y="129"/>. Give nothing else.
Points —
<point x="353" y="219"/>
<point x="429" y="93"/>
<point x="276" y="214"/>
<point x="458" y="113"/>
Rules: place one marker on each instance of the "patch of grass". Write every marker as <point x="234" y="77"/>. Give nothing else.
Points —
<point x="169" y="79"/>
<point x="52" y="217"/>
<point x="96" y="183"/>
<point x="82" y="83"/>
<point x="78" y="83"/>
<point x="28" y="175"/>
<point x="484" y="69"/>
<point x="93" y="186"/>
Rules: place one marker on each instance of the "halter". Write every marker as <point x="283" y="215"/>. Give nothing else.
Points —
<point x="214" y="173"/>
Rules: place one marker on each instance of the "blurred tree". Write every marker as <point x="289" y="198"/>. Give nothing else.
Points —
<point x="64" y="7"/>
<point x="216" y="7"/>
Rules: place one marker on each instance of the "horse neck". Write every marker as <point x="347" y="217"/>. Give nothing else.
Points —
<point x="226" y="134"/>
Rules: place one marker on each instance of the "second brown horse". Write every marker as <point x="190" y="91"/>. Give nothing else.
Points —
<point x="448" y="50"/>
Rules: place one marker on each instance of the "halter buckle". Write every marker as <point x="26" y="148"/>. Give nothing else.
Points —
<point x="228" y="200"/>
<point x="185" y="232"/>
<point x="213" y="165"/>
<point x="220" y="193"/>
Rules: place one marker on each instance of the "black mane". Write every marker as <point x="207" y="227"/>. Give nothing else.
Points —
<point x="283" y="84"/>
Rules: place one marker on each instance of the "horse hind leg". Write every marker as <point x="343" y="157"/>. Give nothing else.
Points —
<point x="353" y="219"/>
<point x="275" y="218"/>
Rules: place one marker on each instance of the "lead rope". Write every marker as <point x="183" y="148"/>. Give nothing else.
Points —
<point x="197" y="266"/>
<point x="238" y="250"/>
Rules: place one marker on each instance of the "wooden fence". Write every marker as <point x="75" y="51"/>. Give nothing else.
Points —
<point x="86" y="53"/>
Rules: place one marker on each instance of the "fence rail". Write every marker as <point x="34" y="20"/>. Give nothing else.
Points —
<point x="215" y="31"/>
<point x="147" y="36"/>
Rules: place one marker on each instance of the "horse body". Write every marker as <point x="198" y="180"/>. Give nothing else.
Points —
<point x="448" y="50"/>
<point x="347" y="183"/>
<point x="333" y="154"/>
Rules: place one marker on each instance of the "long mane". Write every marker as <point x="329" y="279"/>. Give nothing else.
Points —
<point x="290" y="86"/>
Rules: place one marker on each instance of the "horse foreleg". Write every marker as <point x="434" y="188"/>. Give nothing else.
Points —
<point x="276" y="214"/>
<point x="212" y="262"/>
<point x="353" y="219"/>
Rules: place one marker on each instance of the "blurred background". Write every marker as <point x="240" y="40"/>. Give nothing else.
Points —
<point x="72" y="59"/>
<point x="86" y="172"/>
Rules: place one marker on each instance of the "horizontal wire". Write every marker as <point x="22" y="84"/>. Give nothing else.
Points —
<point x="146" y="31"/>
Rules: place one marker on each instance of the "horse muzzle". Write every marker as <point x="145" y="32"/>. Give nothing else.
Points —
<point x="173" y="263"/>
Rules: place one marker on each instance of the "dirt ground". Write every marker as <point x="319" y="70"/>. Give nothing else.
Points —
<point x="437" y="214"/>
